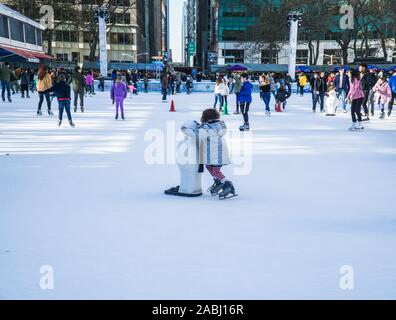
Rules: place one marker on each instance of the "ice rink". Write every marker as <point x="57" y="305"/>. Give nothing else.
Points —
<point x="313" y="198"/>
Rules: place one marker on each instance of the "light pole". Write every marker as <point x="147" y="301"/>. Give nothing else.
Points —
<point x="294" y="21"/>
<point x="102" y="16"/>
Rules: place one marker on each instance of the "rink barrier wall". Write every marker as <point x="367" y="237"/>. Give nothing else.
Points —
<point x="202" y="87"/>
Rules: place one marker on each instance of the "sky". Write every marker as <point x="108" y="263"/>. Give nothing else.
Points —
<point x="176" y="14"/>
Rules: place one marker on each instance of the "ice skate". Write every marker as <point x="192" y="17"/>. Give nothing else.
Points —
<point x="382" y="115"/>
<point x="268" y="113"/>
<point x="359" y="126"/>
<point x="72" y="124"/>
<point x="59" y="123"/>
<point x="389" y="113"/>
<point x="215" y="189"/>
<point x="122" y="116"/>
<point x="353" y="127"/>
<point x="50" y="113"/>
<point x="75" y="109"/>
<point x="82" y="109"/>
<point x="116" y="116"/>
<point x="39" y="113"/>
<point x="245" y="127"/>
<point x="228" y="191"/>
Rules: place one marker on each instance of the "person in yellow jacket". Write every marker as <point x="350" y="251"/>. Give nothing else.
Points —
<point x="44" y="84"/>
<point x="302" y="82"/>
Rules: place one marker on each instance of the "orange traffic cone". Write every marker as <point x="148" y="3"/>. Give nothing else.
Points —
<point x="279" y="107"/>
<point x="172" y="108"/>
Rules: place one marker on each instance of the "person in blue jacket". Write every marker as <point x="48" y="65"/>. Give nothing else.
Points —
<point x="392" y="84"/>
<point x="244" y="100"/>
<point x="341" y="83"/>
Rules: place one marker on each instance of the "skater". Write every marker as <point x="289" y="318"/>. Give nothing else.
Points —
<point x="220" y="89"/>
<point x="225" y="95"/>
<point x="281" y="96"/>
<point x="383" y="94"/>
<point x="302" y="82"/>
<point x="356" y="97"/>
<point x="265" y="92"/>
<point x="342" y="83"/>
<point x="368" y="82"/>
<point x="5" y="77"/>
<point x="62" y="91"/>
<point x="78" y="88"/>
<point x="245" y="99"/>
<point x="392" y="84"/>
<point x="189" y="84"/>
<point x="44" y="83"/>
<point x="119" y="92"/>
<point x="332" y="101"/>
<point x="237" y="88"/>
<point x="89" y="81"/>
<point x="25" y="84"/>
<point x="164" y="87"/>
<point x="146" y="83"/>
<point x="214" y="154"/>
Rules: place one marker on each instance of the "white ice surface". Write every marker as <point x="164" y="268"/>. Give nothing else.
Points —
<point x="85" y="201"/>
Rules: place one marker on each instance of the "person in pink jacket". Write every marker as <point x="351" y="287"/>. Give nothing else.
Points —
<point x="89" y="82"/>
<point x="383" y="94"/>
<point x="355" y="97"/>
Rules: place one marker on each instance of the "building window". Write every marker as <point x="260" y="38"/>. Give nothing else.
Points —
<point x="332" y="56"/>
<point x="371" y="53"/>
<point x="66" y="36"/>
<point x="234" y="56"/>
<point x="76" y="57"/>
<point x="4" y="32"/>
<point x="30" y="34"/>
<point x="62" y="57"/>
<point x="121" y="18"/>
<point x="16" y="30"/>
<point x="268" y="58"/>
<point x="302" y="57"/>
<point x="234" y="14"/>
<point x="122" y="38"/>
<point x="233" y="35"/>
<point x="39" y="35"/>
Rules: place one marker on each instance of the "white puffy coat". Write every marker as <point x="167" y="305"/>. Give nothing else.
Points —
<point x="213" y="149"/>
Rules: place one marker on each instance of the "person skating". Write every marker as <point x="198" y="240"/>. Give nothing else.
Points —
<point x="62" y="91"/>
<point x="78" y="82"/>
<point x="44" y="83"/>
<point x="356" y="97"/>
<point x="5" y="77"/>
<point x="383" y="94"/>
<point x="265" y="92"/>
<point x="189" y="84"/>
<point x="237" y="89"/>
<point x="213" y="152"/>
<point x="164" y="87"/>
<point x="119" y="92"/>
<point x="245" y="99"/>
<point x="302" y="82"/>
<point x="341" y="83"/>
<point x="25" y="83"/>
<point x="282" y="95"/>
<point x="368" y="80"/>
<point x="331" y="101"/>
<point x="220" y="91"/>
<point x="392" y="84"/>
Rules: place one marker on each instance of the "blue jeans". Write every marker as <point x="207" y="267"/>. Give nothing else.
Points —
<point x="218" y="98"/>
<point x="341" y="94"/>
<point x="64" y="105"/>
<point x="5" y="85"/>
<point x="267" y="99"/>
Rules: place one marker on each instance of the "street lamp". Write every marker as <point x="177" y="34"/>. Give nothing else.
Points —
<point x="294" y="19"/>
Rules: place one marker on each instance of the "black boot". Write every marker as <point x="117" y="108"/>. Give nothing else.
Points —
<point x="122" y="116"/>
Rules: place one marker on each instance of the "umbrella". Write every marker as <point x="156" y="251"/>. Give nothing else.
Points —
<point x="371" y="67"/>
<point x="303" y="69"/>
<point x="391" y="69"/>
<point x="237" y="67"/>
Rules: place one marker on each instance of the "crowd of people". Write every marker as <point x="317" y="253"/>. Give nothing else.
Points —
<point x="362" y="89"/>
